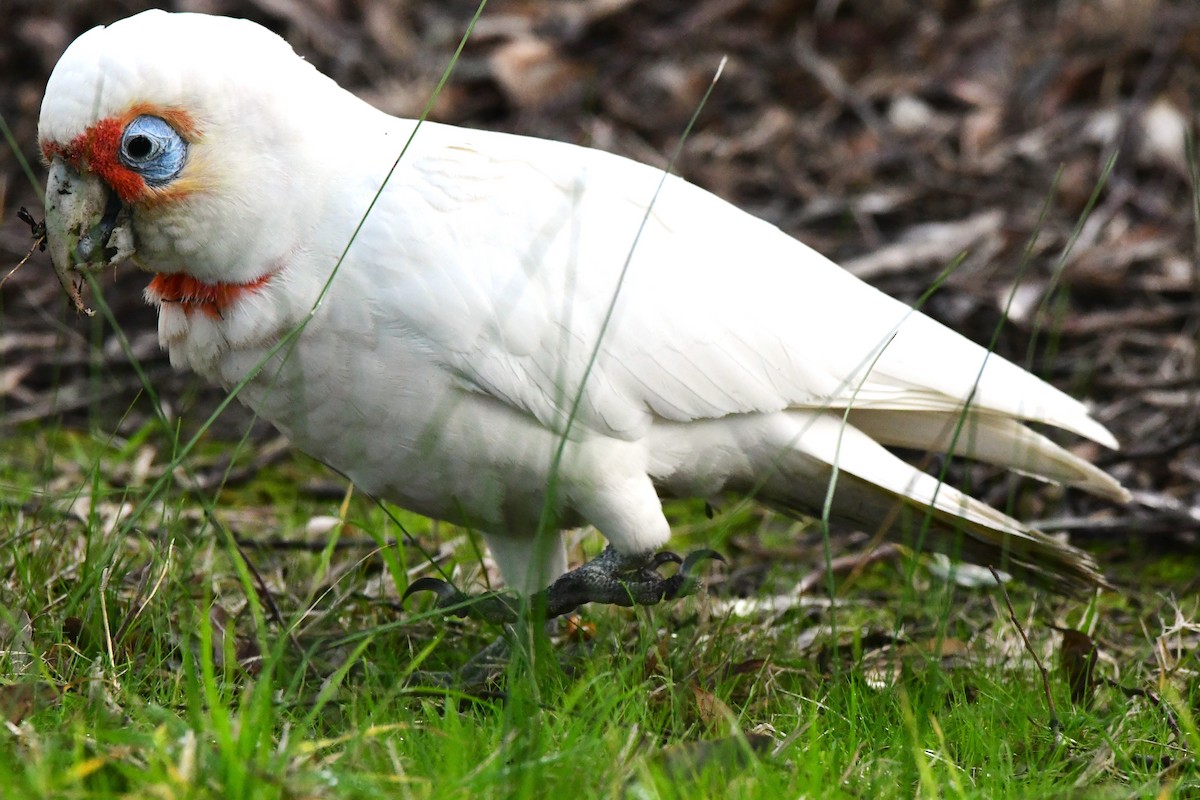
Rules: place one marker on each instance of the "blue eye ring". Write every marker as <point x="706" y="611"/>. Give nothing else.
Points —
<point x="153" y="149"/>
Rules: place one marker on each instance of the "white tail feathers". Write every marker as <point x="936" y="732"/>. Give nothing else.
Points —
<point x="991" y="438"/>
<point x="873" y="486"/>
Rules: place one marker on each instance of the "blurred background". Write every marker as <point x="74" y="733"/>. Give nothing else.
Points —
<point x="892" y="136"/>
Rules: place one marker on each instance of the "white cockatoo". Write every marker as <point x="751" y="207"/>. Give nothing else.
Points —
<point x="521" y="335"/>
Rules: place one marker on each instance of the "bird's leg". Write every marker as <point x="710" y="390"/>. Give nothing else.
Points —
<point x="611" y="577"/>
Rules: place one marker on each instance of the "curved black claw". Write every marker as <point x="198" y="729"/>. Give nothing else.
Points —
<point x="696" y="556"/>
<point x="663" y="557"/>
<point x="447" y="594"/>
<point x="491" y="607"/>
<point x="683" y="582"/>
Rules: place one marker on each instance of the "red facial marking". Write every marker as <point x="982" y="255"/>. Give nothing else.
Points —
<point x="213" y="299"/>
<point x="95" y="150"/>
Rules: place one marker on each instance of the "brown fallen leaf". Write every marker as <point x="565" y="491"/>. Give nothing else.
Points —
<point x="931" y="243"/>
<point x="532" y="72"/>
<point x="577" y="629"/>
<point x="1077" y="659"/>
<point x="848" y="564"/>
<point x="711" y="709"/>
<point x="19" y="700"/>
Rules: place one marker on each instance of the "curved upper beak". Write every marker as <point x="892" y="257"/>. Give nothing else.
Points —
<point x="86" y="225"/>
<point x="84" y="221"/>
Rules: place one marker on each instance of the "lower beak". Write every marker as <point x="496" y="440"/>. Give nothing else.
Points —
<point x="86" y="225"/>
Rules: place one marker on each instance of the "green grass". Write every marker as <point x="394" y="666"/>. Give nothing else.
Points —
<point x="150" y="663"/>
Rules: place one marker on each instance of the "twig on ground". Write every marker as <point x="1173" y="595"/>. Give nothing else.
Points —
<point x="853" y="563"/>
<point x="1055" y="725"/>
<point x="38" y="246"/>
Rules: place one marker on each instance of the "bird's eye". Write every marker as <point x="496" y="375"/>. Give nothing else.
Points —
<point x="139" y="147"/>
<point x="152" y="148"/>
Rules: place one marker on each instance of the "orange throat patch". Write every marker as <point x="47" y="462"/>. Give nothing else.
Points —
<point x="212" y="299"/>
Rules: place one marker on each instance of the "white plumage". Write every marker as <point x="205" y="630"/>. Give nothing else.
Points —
<point x="505" y="294"/>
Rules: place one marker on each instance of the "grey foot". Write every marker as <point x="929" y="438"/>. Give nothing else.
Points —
<point x="610" y="578"/>
<point x="622" y="580"/>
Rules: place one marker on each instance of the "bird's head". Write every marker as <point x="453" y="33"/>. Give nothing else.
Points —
<point x="174" y="139"/>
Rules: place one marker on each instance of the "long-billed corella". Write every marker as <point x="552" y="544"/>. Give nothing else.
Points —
<point x="516" y="334"/>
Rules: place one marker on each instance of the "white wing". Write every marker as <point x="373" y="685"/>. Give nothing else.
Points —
<point x="717" y="314"/>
